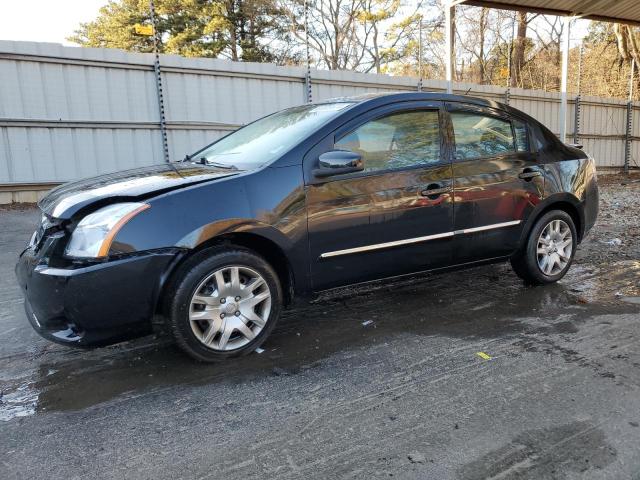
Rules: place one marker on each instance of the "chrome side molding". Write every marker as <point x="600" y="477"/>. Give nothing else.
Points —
<point x="379" y="246"/>
<point x="408" y="241"/>
<point x="487" y="227"/>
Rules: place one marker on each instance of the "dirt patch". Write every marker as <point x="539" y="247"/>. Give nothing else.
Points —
<point x="618" y="178"/>
<point x="611" y="251"/>
<point x="16" y="206"/>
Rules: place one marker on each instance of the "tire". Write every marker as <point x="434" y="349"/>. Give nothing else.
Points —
<point x="210" y="309"/>
<point x="530" y="265"/>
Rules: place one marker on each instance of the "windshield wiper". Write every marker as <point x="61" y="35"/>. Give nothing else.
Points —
<point x="225" y="166"/>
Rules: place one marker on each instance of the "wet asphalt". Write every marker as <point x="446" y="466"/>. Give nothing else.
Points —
<point x="375" y="382"/>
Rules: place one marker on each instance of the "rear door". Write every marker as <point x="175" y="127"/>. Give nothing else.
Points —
<point x="396" y="216"/>
<point x="497" y="181"/>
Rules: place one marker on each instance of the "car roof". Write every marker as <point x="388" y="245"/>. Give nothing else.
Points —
<point x="397" y="96"/>
<point x="379" y="99"/>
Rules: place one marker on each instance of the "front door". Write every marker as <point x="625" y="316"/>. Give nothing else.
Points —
<point x="394" y="217"/>
<point x="497" y="181"/>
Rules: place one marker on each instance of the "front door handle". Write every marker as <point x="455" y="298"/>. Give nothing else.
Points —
<point x="434" y="190"/>
<point x="529" y="174"/>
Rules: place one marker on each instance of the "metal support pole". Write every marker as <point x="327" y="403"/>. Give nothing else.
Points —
<point x="563" y="79"/>
<point x="420" y="54"/>
<point x="577" y="108"/>
<point x="158" y="75"/>
<point x="307" y="79"/>
<point x="629" y="129"/>
<point x="448" y="34"/>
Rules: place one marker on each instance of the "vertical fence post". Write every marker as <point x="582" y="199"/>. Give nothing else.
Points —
<point x="576" y="121"/>
<point x="628" y="132"/>
<point x="627" y="137"/>
<point x="576" y="111"/>
<point x="307" y="78"/>
<point x="308" y="89"/>
<point x="158" y="75"/>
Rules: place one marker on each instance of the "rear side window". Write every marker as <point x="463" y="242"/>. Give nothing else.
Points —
<point x="479" y="135"/>
<point x="399" y="140"/>
<point x="522" y="139"/>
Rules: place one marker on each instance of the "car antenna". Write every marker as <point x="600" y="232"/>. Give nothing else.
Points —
<point x="467" y="92"/>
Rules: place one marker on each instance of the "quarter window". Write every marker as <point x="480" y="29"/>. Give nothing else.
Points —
<point x="396" y="141"/>
<point x="481" y="135"/>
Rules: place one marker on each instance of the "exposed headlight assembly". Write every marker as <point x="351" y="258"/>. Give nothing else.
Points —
<point x="92" y="237"/>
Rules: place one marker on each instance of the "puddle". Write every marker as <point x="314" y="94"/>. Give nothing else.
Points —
<point x="20" y="402"/>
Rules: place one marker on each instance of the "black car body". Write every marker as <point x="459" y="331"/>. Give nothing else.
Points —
<point x="317" y="228"/>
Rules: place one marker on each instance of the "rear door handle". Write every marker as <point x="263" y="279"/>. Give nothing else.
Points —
<point x="529" y="174"/>
<point x="434" y="190"/>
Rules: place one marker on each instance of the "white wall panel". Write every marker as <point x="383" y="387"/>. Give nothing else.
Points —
<point x="68" y="113"/>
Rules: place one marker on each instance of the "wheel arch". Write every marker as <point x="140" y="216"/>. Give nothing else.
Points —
<point x="260" y="244"/>
<point x="263" y="246"/>
<point x="561" y="201"/>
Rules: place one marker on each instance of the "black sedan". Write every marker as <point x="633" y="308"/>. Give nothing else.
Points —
<point x="306" y="199"/>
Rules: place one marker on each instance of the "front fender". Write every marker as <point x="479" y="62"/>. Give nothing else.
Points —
<point x="174" y="218"/>
<point x="267" y="204"/>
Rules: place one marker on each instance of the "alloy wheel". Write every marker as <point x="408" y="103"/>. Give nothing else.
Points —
<point x="555" y="245"/>
<point x="229" y="308"/>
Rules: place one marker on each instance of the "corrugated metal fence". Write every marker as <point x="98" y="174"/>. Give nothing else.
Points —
<point x="68" y="113"/>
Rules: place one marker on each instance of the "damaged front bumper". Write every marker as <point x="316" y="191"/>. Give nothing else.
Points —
<point x="96" y="304"/>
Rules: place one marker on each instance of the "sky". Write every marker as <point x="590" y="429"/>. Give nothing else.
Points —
<point x="57" y="19"/>
<point x="45" y="20"/>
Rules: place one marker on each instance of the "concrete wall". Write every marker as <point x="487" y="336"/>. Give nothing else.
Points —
<point x="68" y="113"/>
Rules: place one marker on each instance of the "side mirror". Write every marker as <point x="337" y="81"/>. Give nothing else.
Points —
<point x="337" y="162"/>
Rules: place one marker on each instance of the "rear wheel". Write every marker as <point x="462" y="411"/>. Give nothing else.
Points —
<point x="549" y="250"/>
<point x="223" y="303"/>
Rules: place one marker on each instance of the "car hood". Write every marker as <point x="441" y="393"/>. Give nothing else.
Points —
<point x="64" y="201"/>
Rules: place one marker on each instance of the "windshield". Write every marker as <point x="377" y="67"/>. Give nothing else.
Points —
<point x="268" y="138"/>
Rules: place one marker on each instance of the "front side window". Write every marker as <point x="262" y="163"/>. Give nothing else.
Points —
<point x="398" y="140"/>
<point x="479" y="135"/>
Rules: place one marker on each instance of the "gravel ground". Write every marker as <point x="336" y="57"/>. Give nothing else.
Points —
<point x="466" y="375"/>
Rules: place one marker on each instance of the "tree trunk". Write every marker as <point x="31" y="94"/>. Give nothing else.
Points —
<point x="519" y="44"/>
<point x="454" y="75"/>
<point x="337" y="42"/>
<point x="628" y="47"/>
<point x="483" y="30"/>
<point x="233" y="31"/>
<point x="376" y="49"/>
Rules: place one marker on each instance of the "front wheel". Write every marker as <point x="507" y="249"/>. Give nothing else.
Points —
<point x="223" y="303"/>
<point x="549" y="250"/>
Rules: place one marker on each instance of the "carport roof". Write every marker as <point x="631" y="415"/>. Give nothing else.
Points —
<point x="619" y="11"/>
